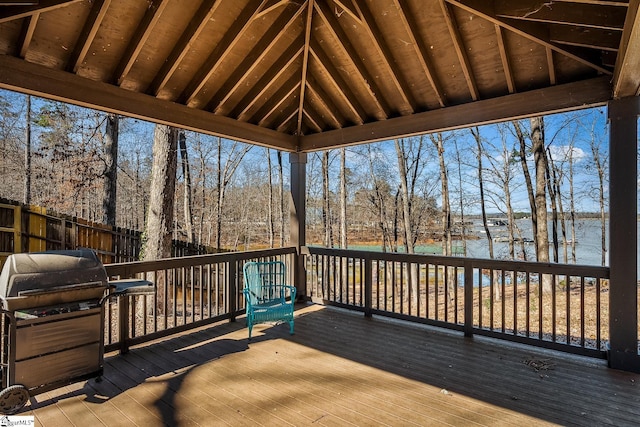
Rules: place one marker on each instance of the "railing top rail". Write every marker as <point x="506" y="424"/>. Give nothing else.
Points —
<point x="127" y="268"/>
<point x="506" y="265"/>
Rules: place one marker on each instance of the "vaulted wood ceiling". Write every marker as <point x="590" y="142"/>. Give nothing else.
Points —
<point x="302" y="75"/>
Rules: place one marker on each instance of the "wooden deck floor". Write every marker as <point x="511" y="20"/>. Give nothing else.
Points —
<point x="342" y="369"/>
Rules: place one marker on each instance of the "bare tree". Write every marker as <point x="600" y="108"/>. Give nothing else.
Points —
<point x="27" y="154"/>
<point x="109" y="201"/>
<point x="326" y="202"/>
<point x="343" y="199"/>
<point x="163" y="180"/>
<point x="476" y="135"/>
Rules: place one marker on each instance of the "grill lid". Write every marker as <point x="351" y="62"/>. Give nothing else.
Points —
<point x="64" y="272"/>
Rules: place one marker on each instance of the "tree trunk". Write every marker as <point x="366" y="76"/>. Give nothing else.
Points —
<point x="188" y="202"/>
<point x="27" y="154"/>
<point x="542" y="233"/>
<point x="528" y="182"/>
<point x="476" y="135"/>
<point x="343" y="199"/>
<point x="281" y="198"/>
<point x="326" y="205"/>
<point x="109" y="201"/>
<point x="161" y="203"/>
<point x="270" y="224"/>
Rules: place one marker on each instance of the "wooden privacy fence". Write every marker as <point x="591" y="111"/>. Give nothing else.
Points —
<point x="33" y="228"/>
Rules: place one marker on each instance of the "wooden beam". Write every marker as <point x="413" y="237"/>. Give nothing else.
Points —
<point x="368" y="22"/>
<point x="421" y="51"/>
<point x="28" y="28"/>
<point x="626" y="79"/>
<point x="143" y="32"/>
<point x="482" y="9"/>
<point x="305" y="64"/>
<point x="88" y="33"/>
<point x="11" y="13"/>
<point x="554" y="99"/>
<point x="231" y="38"/>
<point x="591" y="38"/>
<point x="365" y="79"/>
<point x="261" y="52"/>
<point x="33" y="79"/>
<point x="461" y="51"/>
<point x="340" y="87"/>
<point x="504" y="57"/>
<point x="197" y="23"/>
<point x="586" y="15"/>
<point x="268" y="79"/>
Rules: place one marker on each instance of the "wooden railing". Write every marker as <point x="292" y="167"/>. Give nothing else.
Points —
<point x="557" y="306"/>
<point x="190" y="292"/>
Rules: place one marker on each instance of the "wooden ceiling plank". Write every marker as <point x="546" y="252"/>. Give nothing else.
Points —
<point x="369" y="24"/>
<point x="412" y="30"/>
<point x="460" y="49"/>
<point x="587" y="15"/>
<point x="197" y="23"/>
<point x="504" y="57"/>
<point x="482" y="9"/>
<point x="28" y="28"/>
<point x="289" y="120"/>
<point x="590" y="38"/>
<point x="268" y="8"/>
<point x="312" y="119"/>
<point x="365" y="78"/>
<point x="88" y="34"/>
<point x="347" y="8"/>
<point x="554" y="99"/>
<point x="305" y="63"/>
<point x="11" y="13"/>
<point x="21" y="76"/>
<point x="282" y="95"/>
<point x="626" y="81"/>
<point x="619" y="3"/>
<point x="268" y="79"/>
<point x="342" y="89"/>
<point x="142" y="34"/>
<point x="230" y="39"/>
<point x="268" y="44"/>
<point x="325" y="103"/>
<point x="551" y="66"/>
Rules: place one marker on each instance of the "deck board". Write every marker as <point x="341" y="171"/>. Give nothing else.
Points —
<point x="342" y="369"/>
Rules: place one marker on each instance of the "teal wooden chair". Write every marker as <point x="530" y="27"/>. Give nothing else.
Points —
<point x="268" y="297"/>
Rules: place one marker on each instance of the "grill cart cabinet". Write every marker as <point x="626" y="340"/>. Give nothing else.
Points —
<point x="52" y="322"/>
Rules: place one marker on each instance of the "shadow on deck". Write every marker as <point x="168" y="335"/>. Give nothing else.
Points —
<point x="338" y="369"/>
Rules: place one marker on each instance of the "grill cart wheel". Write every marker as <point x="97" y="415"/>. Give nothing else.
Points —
<point x="13" y="398"/>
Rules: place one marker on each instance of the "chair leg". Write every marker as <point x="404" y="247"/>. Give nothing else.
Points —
<point x="291" y="327"/>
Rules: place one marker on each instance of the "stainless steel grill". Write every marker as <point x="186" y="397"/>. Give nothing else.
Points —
<point x="52" y="306"/>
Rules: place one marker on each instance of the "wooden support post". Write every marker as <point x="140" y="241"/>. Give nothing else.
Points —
<point x="368" y="287"/>
<point x="623" y="286"/>
<point x="297" y="218"/>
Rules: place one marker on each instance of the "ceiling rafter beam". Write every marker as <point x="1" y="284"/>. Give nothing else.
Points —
<point x="305" y="64"/>
<point x="551" y="66"/>
<point x="25" y="77"/>
<point x="268" y="8"/>
<point x="369" y="24"/>
<point x="290" y="118"/>
<point x="587" y="15"/>
<point x="585" y="37"/>
<point x="231" y="38"/>
<point x="339" y="85"/>
<point x="11" y="13"/>
<point x="268" y="79"/>
<point x="261" y="51"/>
<point x="325" y="104"/>
<point x="196" y="25"/>
<point x="365" y="78"/>
<point x="88" y="34"/>
<point x="142" y="34"/>
<point x="420" y="49"/>
<point x="26" y="34"/>
<point x="504" y="57"/>
<point x="622" y="3"/>
<point x="346" y="8"/>
<point x="626" y="81"/>
<point x="313" y="121"/>
<point x="280" y="98"/>
<point x="459" y="47"/>
<point x="482" y="9"/>
<point x="554" y="99"/>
